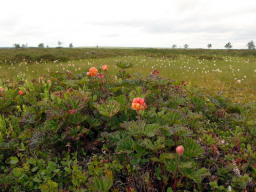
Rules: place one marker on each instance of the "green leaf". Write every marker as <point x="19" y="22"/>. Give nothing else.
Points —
<point x="34" y="169"/>
<point x="109" y="108"/>
<point x="168" y="156"/>
<point x="22" y="147"/>
<point x="100" y="184"/>
<point x="117" y="136"/>
<point x="125" y="145"/>
<point x="51" y="125"/>
<point x="135" y="161"/>
<point x="195" y="175"/>
<point x="173" y="117"/>
<point x="32" y="161"/>
<point x="17" y="172"/>
<point x="77" y="118"/>
<point x="183" y="165"/>
<point x="37" y="180"/>
<point x="14" y="160"/>
<point x="154" y="146"/>
<point x="192" y="149"/>
<point x="144" y="160"/>
<point x="124" y="65"/>
<point x="121" y="99"/>
<point x="171" y="165"/>
<point x="138" y="129"/>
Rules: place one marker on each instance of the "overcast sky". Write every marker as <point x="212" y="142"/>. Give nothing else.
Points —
<point x="123" y="23"/>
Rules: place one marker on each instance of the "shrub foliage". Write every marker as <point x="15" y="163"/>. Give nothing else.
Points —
<point x="70" y="132"/>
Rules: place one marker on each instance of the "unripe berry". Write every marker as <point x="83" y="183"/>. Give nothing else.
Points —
<point x="104" y="67"/>
<point x="180" y="150"/>
<point x="21" y="92"/>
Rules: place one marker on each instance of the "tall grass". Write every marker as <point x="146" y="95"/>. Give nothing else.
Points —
<point x="223" y="73"/>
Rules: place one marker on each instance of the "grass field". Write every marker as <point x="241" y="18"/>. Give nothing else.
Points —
<point x="230" y="73"/>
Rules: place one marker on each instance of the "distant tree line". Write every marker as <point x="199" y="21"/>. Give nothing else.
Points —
<point x="250" y="45"/>
<point x="41" y="45"/>
<point x="228" y="45"/>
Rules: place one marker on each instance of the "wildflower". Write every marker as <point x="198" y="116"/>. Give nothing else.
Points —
<point x="69" y="72"/>
<point x="180" y="150"/>
<point x="93" y="71"/>
<point x="21" y="92"/>
<point x="104" y="67"/>
<point x="155" y="72"/>
<point x="138" y="104"/>
<point x="71" y="112"/>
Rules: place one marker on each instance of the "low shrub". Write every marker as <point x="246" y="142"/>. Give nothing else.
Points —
<point x="94" y="132"/>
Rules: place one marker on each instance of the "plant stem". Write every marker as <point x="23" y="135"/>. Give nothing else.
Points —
<point x="138" y="113"/>
<point x="175" y="176"/>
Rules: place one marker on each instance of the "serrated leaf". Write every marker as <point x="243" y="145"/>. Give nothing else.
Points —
<point x="154" y="146"/>
<point x="195" y="175"/>
<point x="171" y="165"/>
<point x="138" y="129"/>
<point x="183" y="165"/>
<point x="192" y="149"/>
<point x="121" y="99"/>
<point x="109" y="108"/>
<point x="177" y="130"/>
<point x="168" y="156"/>
<point x="125" y="145"/>
<point x="77" y="118"/>
<point x="117" y="136"/>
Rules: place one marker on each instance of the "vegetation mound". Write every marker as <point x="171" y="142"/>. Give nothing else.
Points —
<point x="94" y="132"/>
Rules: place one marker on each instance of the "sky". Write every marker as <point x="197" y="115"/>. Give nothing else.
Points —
<point x="133" y="23"/>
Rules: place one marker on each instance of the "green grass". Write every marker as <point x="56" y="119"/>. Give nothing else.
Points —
<point x="220" y="72"/>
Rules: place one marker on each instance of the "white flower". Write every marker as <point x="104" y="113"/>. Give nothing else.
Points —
<point x="238" y="81"/>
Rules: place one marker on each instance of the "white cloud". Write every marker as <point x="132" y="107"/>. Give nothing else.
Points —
<point x="155" y="23"/>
